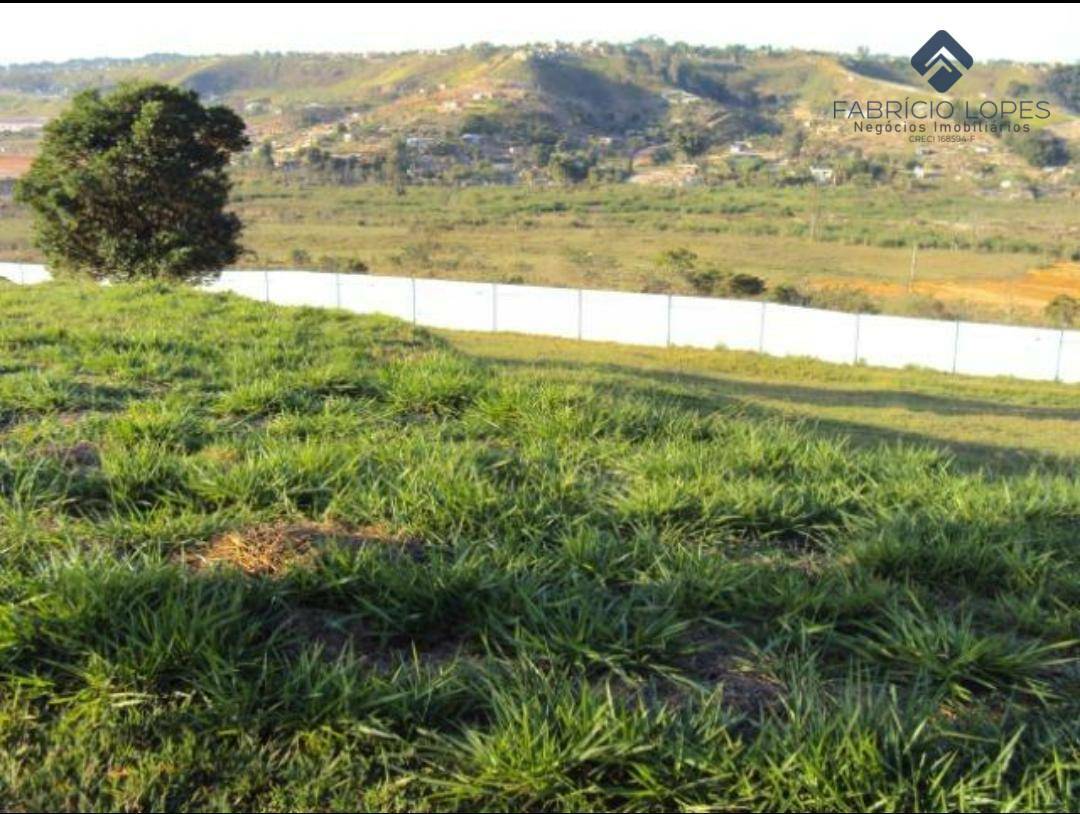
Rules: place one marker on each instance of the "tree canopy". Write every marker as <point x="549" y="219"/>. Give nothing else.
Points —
<point x="133" y="184"/>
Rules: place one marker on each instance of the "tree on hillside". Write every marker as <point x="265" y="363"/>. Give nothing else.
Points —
<point x="133" y="184"/>
<point x="1064" y="83"/>
<point x="396" y="165"/>
<point x="265" y="156"/>
<point x="1042" y="150"/>
<point x="794" y="140"/>
<point x="691" y="143"/>
<point x="570" y="167"/>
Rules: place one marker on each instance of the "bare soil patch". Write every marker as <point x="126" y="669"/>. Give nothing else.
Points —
<point x="80" y="455"/>
<point x="12" y="165"/>
<point x="335" y="633"/>
<point x="747" y="687"/>
<point x="1030" y="291"/>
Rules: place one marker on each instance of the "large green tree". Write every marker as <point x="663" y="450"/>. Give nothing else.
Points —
<point x="134" y="184"/>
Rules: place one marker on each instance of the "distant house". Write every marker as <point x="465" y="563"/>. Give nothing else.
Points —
<point x="419" y="142"/>
<point x="21" y="125"/>
<point x="680" y="97"/>
<point x="823" y="175"/>
<point x="923" y="173"/>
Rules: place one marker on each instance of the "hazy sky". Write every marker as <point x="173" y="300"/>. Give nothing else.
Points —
<point x="58" y="31"/>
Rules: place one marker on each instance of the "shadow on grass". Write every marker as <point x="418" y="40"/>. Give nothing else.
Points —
<point x="717" y="392"/>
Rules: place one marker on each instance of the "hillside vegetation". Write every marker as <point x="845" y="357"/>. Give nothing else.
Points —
<point x="267" y="558"/>
<point x="561" y="91"/>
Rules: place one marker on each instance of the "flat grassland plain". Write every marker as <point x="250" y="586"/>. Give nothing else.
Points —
<point x="267" y="558"/>
<point x="982" y="258"/>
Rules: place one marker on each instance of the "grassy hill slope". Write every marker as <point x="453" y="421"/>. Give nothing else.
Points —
<point x="597" y="89"/>
<point x="269" y="558"/>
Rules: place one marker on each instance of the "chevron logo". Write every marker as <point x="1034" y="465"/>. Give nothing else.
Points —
<point x="942" y="60"/>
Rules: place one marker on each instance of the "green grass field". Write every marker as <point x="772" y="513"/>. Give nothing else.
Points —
<point x="266" y="558"/>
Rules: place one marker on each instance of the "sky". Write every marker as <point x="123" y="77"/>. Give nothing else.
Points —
<point x="36" y="32"/>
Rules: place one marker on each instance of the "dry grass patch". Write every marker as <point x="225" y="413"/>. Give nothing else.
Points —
<point x="271" y="549"/>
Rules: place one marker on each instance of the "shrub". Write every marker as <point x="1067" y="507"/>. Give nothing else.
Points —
<point x="710" y="280"/>
<point x="691" y="143"/>
<point x="343" y="265"/>
<point x="679" y="259"/>
<point x="744" y="285"/>
<point x="921" y="305"/>
<point x="1063" y="311"/>
<point x="786" y="294"/>
<point x="705" y="281"/>
<point x="845" y="298"/>
<point x="1042" y="150"/>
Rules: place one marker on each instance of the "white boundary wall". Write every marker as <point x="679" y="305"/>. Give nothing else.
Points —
<point x="24" y="273"/>
<point x="975" y="349"/>
<point x="900" y="341"/>
<point x="792" y="331"/>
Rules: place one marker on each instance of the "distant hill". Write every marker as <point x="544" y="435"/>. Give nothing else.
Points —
<point x="640" y="90"/>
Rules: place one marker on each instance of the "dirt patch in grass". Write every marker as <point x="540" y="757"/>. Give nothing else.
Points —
<point x="68" y="418"/>
<point x="80" y="455"/>
<point x="271" y="549"/>
<point x="746" y="687"/>
<point x="335" y="633"/>
<point x="1030" y="291"/>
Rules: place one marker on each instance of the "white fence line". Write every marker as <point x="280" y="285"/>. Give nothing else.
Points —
<point x="976" y="349"/>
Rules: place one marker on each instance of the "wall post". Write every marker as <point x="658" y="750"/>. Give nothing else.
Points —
<point x="669" y="303"/>
<point x="956" y="346"/>
<point x="761" y="329"/>
<point x="1060" y="351"/>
